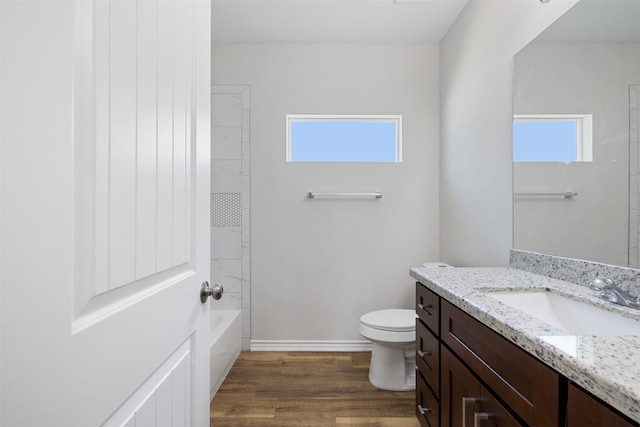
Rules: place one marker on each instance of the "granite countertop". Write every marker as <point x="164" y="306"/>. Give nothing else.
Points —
<point x="607" y="366"/>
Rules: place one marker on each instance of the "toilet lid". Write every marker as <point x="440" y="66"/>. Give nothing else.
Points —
<point x="397" y="320"/>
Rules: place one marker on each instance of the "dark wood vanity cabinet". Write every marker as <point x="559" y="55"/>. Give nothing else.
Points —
<point x="458" y="358"/>
<point x="585" y="410"/>
<point x="469" y="375"/>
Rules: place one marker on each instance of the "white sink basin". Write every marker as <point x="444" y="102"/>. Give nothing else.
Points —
<point x="573" y="317"/>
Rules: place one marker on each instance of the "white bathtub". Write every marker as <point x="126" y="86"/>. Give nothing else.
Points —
<point x="226" y="344"/>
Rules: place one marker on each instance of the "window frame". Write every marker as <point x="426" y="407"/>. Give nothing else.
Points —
<point x="584" y="133"/>
<point x="376" y="118"/>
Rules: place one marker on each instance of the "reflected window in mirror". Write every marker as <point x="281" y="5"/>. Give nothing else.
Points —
<point x="552" y="138"/>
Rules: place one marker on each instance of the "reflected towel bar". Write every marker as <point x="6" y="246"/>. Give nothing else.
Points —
<point x="566" y="194"/>
<point x="314" y="194"/>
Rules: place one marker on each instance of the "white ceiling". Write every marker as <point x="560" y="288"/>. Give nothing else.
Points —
<point x="333" y="21"/>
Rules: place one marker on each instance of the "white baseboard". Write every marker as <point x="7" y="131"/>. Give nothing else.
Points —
<point x="309" y="345"/>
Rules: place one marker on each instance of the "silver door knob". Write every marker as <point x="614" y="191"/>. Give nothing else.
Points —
<point x="214" y="292"/>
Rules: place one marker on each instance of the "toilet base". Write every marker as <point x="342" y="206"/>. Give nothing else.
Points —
<point x="393" y="368"/>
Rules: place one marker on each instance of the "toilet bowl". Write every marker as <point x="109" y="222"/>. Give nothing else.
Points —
<point x="393" y="334"/>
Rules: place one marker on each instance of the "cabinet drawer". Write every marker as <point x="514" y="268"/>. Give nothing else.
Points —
<point x="428" y="308"/>
<point x="428" y="356"/>
<point x="525" y="384"/>
<point x="427" y="406"/>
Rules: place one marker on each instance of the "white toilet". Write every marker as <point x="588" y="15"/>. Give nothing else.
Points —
<point x="393" y="333"/>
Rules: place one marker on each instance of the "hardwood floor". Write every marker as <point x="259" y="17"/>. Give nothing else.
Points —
<point x="307" y="389"/>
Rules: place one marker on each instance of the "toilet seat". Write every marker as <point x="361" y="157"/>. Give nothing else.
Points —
<point x="392" y="320"/>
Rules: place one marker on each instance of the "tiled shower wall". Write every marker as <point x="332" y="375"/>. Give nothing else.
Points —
<point x="230" y="200"/>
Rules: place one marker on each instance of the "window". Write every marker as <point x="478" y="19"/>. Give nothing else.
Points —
<point x="552" y="138"/>
<point x="315" y="138"/>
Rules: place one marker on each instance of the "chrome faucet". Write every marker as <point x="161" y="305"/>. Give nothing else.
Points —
<point x="609" y="291"/>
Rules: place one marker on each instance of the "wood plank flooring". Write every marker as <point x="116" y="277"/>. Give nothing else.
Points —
<point x="304" y="389"/>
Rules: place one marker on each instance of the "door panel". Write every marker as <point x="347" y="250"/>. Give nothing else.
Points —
<point x="105" y="143"/>
<point x="162" y="399"/>
<point x="132" y="185"/>
<point x="143" y="144"/>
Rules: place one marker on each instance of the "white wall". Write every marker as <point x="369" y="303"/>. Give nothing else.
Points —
<point x="318" y="265"/>
<point x="564" y="78"/>
<point x="476" y="112"/>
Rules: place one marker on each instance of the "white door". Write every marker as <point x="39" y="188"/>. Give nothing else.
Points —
<point x="104" y="133"/>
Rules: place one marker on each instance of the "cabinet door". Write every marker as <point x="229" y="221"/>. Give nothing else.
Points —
<point x="460" y="392"/>
<point x="465" y="402"/>
<point x="585" y="410"/>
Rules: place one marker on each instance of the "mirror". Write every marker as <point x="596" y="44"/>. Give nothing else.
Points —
<point x="585" y="63"/>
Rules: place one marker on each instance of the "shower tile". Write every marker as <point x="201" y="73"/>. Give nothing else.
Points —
<point x="226" y="143"/>
<point x="246" y="97"/>
<point x="246" y="254"/>
<point x="246" y="226"/>
<point x="226" y="243"/>
<point x="237" y="89"/>
<point x="246" y="296"/>
<point x="226" y="110"/>
<point x="246" y="266"/>
<point x="229" y="301"/>
<point x="633" y="154"/>
<point x="228" y="273"/>
<point x="634" y="96"/>
<point x="246" y="275"/>
<point x="245" y="182"/>
<point x="634" y="124"/>
<point x="226" y="176"/>
<point x="246" y="323"/>
<point x="246" y="125"/>
<point x="246" y="158"/>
